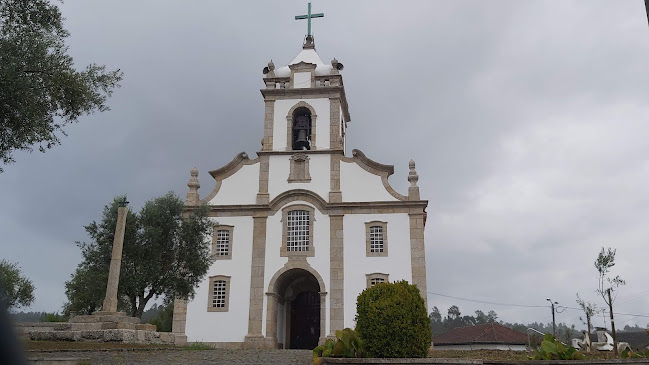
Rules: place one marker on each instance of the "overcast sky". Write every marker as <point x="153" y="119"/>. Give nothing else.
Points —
<point x="528" y="122"/>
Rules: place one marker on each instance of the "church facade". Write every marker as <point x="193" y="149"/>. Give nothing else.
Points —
<point x="303" y="228"/>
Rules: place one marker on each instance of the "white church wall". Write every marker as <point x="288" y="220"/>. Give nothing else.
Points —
<point x="205" y="326"/>
<point x="239" y="188"/>
<point x="357" y="264"/>
<point x="359" y="185"/>
<point x="273" y="262"/>
<point x="279" y="168"/>
<point x="282" y="107"/>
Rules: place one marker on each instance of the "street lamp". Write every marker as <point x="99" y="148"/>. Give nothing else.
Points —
<point x="554" y="325"/>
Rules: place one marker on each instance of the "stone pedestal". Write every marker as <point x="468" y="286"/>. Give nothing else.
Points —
<point x="105" y="327"/>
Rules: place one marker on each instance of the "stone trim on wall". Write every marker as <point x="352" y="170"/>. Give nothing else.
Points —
<point x="179" y="320"/>
<point x="210" y="295"/>
<point x="257" y="266"/>
<point x="368" y="250"/>
<point x="310" y="93"/>
<point x="274" y="297"/>
<point x="376" y="275"/>
<point x="264" y="168"/>
<point x="337" y="274"/>
<point x="373" y="167"/>
<point x="215" y="229"/>
<point x="418" y="253"/>
<point x="302" y="67"/>
<point x="289" y="125"/>
<point x="335" y="140"/>
<point x="299" y="171"/>
<point x="269" y="120"/>
<point x="381" y="207"/>
<point x="335" y="195"/>
<point x="283" y="252"/>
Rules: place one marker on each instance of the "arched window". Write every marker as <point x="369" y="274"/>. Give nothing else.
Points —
<point x="301" y="129"/>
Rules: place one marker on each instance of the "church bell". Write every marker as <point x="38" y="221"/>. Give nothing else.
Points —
<point x="301" y="131"/>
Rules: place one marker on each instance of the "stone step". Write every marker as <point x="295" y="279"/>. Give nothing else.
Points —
<point x="95" y="318"/>
<point x="105" y="335"/>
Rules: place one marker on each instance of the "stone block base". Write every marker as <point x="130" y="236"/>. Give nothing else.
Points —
<point x="106" y="335"/>
<point x="259" y="342"/>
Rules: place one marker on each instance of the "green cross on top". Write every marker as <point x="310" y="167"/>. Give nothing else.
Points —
<point x="308" y="17"/>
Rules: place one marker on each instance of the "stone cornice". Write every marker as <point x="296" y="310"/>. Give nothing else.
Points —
<point x="307" y="152"/>
<point x="376" y="207"/>
<point x="306" y="93"/>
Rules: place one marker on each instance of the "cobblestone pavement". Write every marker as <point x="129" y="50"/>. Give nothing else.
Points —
<point x="173" y="356"/>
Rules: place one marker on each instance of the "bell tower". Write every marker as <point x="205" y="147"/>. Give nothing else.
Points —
<point x="305" y="104"/>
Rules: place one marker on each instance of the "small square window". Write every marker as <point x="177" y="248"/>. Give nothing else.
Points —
<point x="376" y="278"/>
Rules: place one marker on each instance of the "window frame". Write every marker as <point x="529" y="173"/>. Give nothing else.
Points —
<point x="368" y="246"/>
<point x="376" y="275"/>
<point x="210" y="293"/>
<point x="215" y="229"/>
<point x="310" y="252"/>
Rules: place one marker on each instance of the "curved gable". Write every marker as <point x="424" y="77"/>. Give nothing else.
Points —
<point x="363" y="179"/>
<point x="236" y="183"/>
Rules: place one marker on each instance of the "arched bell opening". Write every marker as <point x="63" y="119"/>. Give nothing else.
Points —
<point x="296" y="310"/>
<point x="301" y="129"/>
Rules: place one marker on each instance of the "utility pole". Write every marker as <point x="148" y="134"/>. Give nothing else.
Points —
<point x="554" y="323"/>
<point x="610" y="307"/>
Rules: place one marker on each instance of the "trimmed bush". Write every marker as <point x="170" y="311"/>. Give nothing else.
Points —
<point x="392" y="321"/>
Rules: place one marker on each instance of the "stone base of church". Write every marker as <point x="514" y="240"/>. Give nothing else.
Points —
<point x="260" y="342"/>
<point x="105" y="327"/>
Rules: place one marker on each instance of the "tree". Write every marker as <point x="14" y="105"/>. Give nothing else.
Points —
<point x="607" y="285"/>
<point x="40" y="90"/>
<point x="16" y="290"/>
<point x="165" y="253"/>
<point x="590" y="309"/>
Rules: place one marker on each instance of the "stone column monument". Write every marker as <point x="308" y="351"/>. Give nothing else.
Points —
<point x="110" y="302"/>
<point x="109" y="325"/>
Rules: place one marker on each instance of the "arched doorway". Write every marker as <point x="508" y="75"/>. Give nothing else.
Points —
<point x="296" y="309"/>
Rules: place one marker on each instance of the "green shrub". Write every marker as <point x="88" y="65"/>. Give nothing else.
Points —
<point x="392" y="321"/>
<point x="347" y="344"/>
<point x="552" y="349"/>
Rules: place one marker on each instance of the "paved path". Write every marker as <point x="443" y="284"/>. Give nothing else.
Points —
<point x="173" y="356"/>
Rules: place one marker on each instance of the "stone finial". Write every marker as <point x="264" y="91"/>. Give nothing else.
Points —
<point x="269" y="71"/>
<point x="413" y="190"/>
<point x="336" y="67"/>
<point x="192" y="195"/>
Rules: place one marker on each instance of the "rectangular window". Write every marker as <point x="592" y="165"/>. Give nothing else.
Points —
<point x="376" y="239"/>
<point x="222" y="242"/>
<point x="219" y="294"/>
<point x="222" y="239"/>
<point x="297" y="231"/>
<point x="375" y="281"/>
